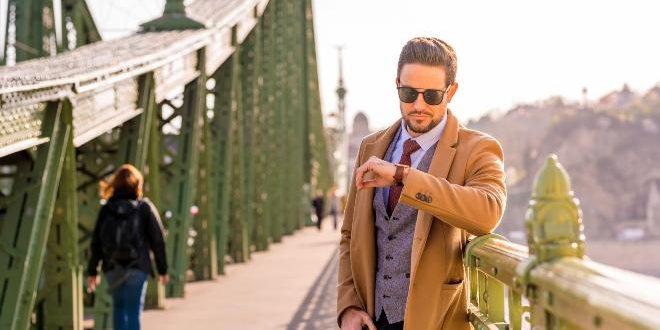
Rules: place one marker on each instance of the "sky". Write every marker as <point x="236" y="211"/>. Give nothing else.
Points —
<point x="509" y="52"/>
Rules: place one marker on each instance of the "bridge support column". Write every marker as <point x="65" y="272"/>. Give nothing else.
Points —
<point x="183" y="178"/>
<point x="222" y="133"/>
<point x="279" y="122"/>
<point x="139" y="143"/>
<point x="62" y="305"/>
<point x="252" y="82"/>
<point x="205" y="257"/>
<point x="239" y="241"/>
<point x="26" y="224"/>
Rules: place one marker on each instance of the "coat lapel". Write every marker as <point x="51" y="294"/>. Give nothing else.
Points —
<point x="440" y="165"/>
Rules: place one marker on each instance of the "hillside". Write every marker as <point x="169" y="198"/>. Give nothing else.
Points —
<point x="611" y="150"/>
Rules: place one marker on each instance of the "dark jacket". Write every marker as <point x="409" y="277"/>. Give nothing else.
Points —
<point x="151" y="227"/>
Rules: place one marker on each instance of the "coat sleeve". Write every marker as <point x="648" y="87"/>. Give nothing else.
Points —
<point x="477" y="206"/>
<point x="346" y="294"/>
<point x="96" y="250"/>
<point x="156" y="237"/>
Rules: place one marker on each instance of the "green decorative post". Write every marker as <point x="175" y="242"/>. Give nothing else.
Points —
<point x="554" y="231"/>
<point x="554" y="219"/>
<point x="174" y="18"/>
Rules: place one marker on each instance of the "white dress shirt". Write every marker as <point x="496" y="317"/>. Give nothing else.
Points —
<point x="425" y="141"/>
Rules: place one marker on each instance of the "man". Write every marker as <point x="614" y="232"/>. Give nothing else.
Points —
<point x="318" y="203"/>
<point x="420" y="189"/>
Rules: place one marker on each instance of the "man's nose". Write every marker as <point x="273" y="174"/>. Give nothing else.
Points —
<point x="419" y="102"/>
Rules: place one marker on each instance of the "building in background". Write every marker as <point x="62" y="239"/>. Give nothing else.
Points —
<point x="358" y="132"/>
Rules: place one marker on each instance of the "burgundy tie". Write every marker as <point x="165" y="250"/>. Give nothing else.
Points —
<point x="409" y="147"/>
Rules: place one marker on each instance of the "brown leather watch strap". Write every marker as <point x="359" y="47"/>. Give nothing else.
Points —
<point x="398" y="174"/>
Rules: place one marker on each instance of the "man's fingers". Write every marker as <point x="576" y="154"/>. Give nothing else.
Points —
<point x="358" y="176"/>
<point x="370" y="184"/>
<point x="366" y="320"/>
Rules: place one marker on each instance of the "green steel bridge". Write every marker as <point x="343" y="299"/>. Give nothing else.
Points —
<point x="218" y="104"/>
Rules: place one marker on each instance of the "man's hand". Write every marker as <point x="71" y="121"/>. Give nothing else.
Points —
<point x="355" y="319"/>
<point x="92" y="283"/>
<point x="375" y="172"/>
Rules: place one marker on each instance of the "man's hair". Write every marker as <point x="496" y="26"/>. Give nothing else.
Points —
<point x="429" y="51"/>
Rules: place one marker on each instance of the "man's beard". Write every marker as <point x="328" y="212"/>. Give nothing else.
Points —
<point x="410" y="123"/>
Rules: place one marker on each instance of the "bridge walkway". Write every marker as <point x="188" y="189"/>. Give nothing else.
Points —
<point x="291" y="286"/>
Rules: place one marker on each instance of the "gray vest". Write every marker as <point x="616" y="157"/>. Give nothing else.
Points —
<point x="394" y="236"/>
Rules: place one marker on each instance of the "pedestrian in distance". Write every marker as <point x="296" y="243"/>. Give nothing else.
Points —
<point x="127" y="230"/>
<point x="319" y="204"/>
<point x="334" y="207"/>
<point x="421" y="189"/>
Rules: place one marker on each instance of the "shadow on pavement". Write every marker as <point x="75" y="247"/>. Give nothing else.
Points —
<point x="318" y="310"/>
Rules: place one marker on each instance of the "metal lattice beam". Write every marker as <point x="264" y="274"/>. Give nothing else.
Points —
<point x="27" y="222"/>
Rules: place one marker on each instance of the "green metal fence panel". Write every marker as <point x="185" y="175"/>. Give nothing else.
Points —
<point x="27" y="222"/>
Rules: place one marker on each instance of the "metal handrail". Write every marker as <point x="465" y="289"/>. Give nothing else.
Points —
<point x="552" y="285"/>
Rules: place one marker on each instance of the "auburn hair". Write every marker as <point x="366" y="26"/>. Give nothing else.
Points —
<point x="127" y="179"/>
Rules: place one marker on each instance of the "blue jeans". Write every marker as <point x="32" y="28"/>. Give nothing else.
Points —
<point x="127" y="297"/>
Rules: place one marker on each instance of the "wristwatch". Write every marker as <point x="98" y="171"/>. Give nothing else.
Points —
<point x="398" y="174"/>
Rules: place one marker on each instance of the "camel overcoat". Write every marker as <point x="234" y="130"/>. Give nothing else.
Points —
<point x="462" y="194"/>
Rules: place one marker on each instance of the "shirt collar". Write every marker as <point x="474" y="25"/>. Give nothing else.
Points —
<point x="428" y="139"/>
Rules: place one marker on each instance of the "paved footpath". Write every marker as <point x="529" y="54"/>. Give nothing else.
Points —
<point x="291" y="286"/>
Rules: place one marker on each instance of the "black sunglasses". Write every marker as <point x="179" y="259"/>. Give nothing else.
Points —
<point x="431" y="96"/>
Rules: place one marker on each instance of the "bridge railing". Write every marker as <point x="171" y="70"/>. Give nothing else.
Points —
<point x="552" y="285"/>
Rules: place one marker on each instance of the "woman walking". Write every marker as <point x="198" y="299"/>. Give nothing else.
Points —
<point x="128" y="227"/>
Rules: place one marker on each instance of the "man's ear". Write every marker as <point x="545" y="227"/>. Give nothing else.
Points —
<point x="397" y="81"/>
<point x="452" y="90"/>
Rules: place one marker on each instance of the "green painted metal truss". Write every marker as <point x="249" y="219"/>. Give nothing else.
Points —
<point x="224" y="121"/>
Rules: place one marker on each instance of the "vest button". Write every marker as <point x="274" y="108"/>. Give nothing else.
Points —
<point x="391" y="237"/>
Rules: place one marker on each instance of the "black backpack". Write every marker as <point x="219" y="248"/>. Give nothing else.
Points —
<point x="121" y="237"/>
